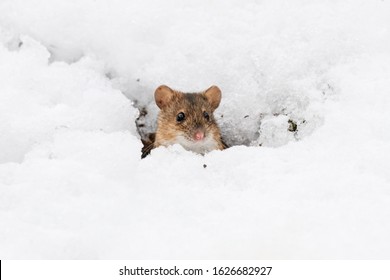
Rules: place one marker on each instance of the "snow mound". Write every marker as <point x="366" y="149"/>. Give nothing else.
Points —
<point x="39" y="99"/>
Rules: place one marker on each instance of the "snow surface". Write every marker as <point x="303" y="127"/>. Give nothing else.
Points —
<point x="73" y="75"/>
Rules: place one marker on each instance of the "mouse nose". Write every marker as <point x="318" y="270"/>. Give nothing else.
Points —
<point x="199" y="135"/>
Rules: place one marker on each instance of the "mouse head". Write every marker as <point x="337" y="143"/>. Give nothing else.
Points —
<point x="187" y="118"/>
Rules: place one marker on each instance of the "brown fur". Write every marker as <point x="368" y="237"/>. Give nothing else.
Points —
<point x="193" y="105"/>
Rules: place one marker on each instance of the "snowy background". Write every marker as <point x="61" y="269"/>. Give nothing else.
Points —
<point x="306" y="106"/>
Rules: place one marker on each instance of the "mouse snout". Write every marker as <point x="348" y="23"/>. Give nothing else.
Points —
<point x="199" y="135"/>
<point x="198" y="132"/>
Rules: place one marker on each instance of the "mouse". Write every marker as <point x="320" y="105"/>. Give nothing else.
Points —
<point x="186" y="119"/>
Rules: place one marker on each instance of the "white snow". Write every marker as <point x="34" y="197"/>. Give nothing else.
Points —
<point x="73" y="186"/>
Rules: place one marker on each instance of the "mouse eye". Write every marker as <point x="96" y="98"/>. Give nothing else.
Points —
<point x="180" y="117"/>
<point x="206" y="115"/>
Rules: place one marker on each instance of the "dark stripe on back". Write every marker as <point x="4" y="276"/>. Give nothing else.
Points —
<point x="191" y="98"/>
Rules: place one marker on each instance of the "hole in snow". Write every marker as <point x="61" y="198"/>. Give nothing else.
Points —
<point x="274" y="128"/>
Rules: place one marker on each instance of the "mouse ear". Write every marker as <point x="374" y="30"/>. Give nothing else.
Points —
<point x="163" y="96"/>
<point x="213" y="96"/>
